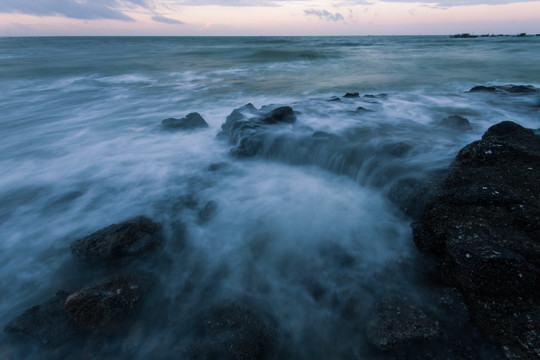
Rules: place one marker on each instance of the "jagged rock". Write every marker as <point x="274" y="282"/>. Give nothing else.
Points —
<point x="129" y="238"/>
<point x="191" y="121"/>
<point x="47" y="323"/>
<point x="398" y="323"/>
<point x="232" y="331"/>
<point x="456" y="122"/>
<point x="483" y="230"/>
<point x="106" y="304"/>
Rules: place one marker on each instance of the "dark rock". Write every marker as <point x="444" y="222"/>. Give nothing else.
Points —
<point x="235" y="332"/>
<point x="362" y="109"/>
<point x="397" y="149"/>
<point x="284" y="114"/>
<point x="351" y="95"/>
<point x="412" y="195"/>
<point x="47" y="323"/>
<point x="207" y="212"/>
<point x="106" y="304"/>
<point x="456" y="122"/>
<point x="398" y="323"/>
<point x="129" y="238"/>
<point x="191" y="121"/>
<point x="217" y="166"/>
<point x="512" y="89"/>
<point x="335" y="98"/>
<point x="483" y="231"/>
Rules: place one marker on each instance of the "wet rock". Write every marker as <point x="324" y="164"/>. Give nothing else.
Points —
<point x="456" y="122"/>
<point x="47" y="323"/>
<point x="362" y="109"/>
<point x="398" y="323"/>
<point x="191" y="121"/>
<point x="412" y="195"/>
<point x="283" y="114"/>
<point x="129" y="238"/>
<point x="207" y="212"/>
<point x="484" y="233"/>
<point x="351" y="95"/>
<point x="106" y="304"/>
<point x="396" y="149"/>
<point x="512" y="89"/>
<point x="232" y="331"/>
<point x="335" y="98"/>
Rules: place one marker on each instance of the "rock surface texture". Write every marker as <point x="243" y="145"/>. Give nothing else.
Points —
<point x="483" y="230"/>
<point x="132" y="237"/>
<point x="190" y="122"/>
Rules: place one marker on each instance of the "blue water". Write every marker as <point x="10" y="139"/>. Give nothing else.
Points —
<point x="82" y="147"/>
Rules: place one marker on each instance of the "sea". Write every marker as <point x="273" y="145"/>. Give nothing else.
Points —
<point x="304" y="237"/>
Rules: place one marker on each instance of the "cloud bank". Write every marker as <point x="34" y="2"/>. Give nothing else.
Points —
<point x="325" y="15"/>
<point x="165" y="20"/>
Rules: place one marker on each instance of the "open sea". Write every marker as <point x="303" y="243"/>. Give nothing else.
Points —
<point x="302" y="236"/>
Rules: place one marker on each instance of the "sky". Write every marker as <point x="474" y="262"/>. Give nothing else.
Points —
<point x="266" y="17"/>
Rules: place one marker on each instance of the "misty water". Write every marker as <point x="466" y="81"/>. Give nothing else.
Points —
<point x="302" y="236"/>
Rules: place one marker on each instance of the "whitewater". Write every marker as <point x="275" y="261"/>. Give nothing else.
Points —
<point x="305" y="236"/>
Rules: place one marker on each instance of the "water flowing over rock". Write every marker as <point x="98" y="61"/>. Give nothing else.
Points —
<point x="509" y="89"/>
<point x="456" y="122"/>
<point x="483" y="230"/>
<point x="190" y="122"/>
<point x="129" y="238"/>
<point x="108" y="303"/>
<point x="232" y="331"/>
<point x="47" y="323"/>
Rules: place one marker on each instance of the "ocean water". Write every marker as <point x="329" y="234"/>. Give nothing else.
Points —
<point x="302" y="235"/>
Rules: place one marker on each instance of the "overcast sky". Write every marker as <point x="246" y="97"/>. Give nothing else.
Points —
<point x="266" y="17"/>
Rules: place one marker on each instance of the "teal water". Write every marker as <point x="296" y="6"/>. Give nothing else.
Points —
<point x="82" y="148"/>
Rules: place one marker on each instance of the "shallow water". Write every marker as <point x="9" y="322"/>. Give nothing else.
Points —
<point x="299" y="234"/>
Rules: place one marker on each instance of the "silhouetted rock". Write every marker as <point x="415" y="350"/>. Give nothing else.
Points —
<point x="399" y="323"/>
<point x="483" y="231"/>
<point x="351" y="95"/>
<point x="191" y="121"/>
<point x="129" y="238"/>
<point x="361" y="109"/>
<point x="232" y="331"/>
<point x="513" y="89"/>
<point x="47" y="323"/>
<point x="284" y="114"/>
<point x="456" y="122"/>
<point x="106" y="304"/>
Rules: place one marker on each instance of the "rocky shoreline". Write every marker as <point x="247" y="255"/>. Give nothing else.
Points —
<point x="478" y="224"/>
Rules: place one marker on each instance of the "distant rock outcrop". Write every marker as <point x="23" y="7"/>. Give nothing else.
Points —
<point x="483" y="229"/>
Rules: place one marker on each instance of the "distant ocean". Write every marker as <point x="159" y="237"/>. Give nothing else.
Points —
<point x="309" y="238"/>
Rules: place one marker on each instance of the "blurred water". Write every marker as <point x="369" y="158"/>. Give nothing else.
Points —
<point x="82" y="148"/>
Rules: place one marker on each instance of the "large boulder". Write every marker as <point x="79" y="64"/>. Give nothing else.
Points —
<point x="511" y="89"/>
<point x="129" y="238"/>
<point x="46" y="323"/>
<point x="190" y="122"/>
<point x="483" y="230"/>
<point x="108" y="303"/>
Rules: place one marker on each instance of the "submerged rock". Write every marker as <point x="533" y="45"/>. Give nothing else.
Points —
<point x="129" y="238"/>
<point x="47" y="323"/>
<point x="399" y="323"/>
<point x="191" y="121"/>
<point x="483" y="230"/>
<point x="108" y="303"/>
<point x="207" y="212"/>
<point x="351" y="95"/>
<point x="232" y="331"/>
<point x="456" y="122"/>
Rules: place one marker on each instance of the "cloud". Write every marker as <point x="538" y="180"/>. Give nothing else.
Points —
<point x="166" y="20"/>
<point x="454" y="3"/>
<point x="77" y="9"/>
<point x="323" y="14"/>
